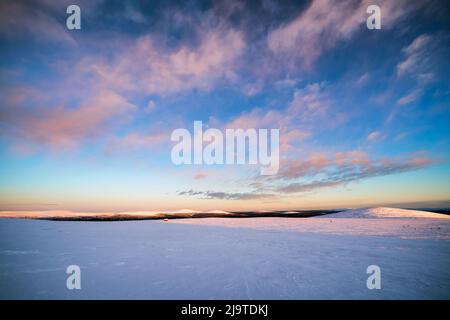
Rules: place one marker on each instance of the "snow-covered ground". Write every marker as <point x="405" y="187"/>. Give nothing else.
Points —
<point x="386" y="213"/>
<point x="229" y="258"/>
<point x="400" y="223"/>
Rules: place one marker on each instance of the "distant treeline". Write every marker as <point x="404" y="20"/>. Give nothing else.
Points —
<point x="125" y="217"/>
<point x="438" y="210"/>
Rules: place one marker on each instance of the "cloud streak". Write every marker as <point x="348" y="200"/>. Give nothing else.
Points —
<point x="321" y="171"/>
<point x="210" y="195"/>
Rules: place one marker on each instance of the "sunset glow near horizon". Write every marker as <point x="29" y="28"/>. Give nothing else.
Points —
<point x="86" y="115"/>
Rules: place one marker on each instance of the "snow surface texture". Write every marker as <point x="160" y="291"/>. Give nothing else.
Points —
<point x="232" y="258"/>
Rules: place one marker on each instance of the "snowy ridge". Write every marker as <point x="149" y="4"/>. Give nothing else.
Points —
<point x="383" y="213"/>
<point x="368" y="213"/>
<point x="71" y="215"/>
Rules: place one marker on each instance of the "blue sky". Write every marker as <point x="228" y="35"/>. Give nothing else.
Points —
<point x="86" y="115"/>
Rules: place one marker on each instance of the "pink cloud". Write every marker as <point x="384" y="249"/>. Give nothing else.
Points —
<point x="355" y="157"/>
<point x="137" y="141"/>
<point x="147" y="67"/>
<point x="373" y="136"/>
<point x="200" y="175"/>
<point x="312" y="164"/>
<point x="102" y="85"/>
<point x="62" y="127"/>
<point x="288" y="139"/>
<point x="421" y="161"/>
<point x="317" y="162"/>
<point x="321" y="170"/>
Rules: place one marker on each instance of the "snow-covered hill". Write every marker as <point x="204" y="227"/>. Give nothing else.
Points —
<point x="384" y="212"/>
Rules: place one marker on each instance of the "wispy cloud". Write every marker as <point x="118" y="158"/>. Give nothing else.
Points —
<point x="419" y="64"/>
<point x="309" y="106"/>
<point x="349" y="170"/>
<point x="410" y="97"/>
<point x="325" y="23"/>
<point x="226" y="195"/>
<point x="320" y="170"/>
<point x="373" y="136"/>
<point x="135" y="141"/>
<point x="416" y="55"/>
<point x="148" y="67"/>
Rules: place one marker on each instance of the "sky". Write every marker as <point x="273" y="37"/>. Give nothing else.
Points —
<point x="86" y="115"/>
